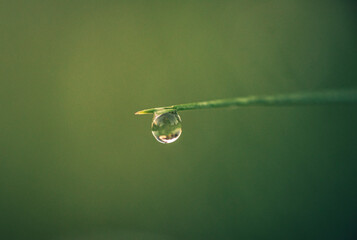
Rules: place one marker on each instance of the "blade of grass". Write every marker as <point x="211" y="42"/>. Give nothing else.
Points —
<point x="304" y="98"/>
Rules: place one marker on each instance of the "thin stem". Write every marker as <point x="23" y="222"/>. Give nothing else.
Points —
<point x="308" y="98"/>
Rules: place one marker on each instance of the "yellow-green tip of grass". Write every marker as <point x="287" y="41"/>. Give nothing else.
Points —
<point x="146" y="111"/>
<point x="142" y="112"/>
<point x="153" y="110"/>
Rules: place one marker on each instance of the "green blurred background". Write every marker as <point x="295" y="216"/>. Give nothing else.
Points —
<point x="75" y="163"/>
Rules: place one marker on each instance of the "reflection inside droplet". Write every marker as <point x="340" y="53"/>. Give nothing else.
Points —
<point x="166" y="127"/>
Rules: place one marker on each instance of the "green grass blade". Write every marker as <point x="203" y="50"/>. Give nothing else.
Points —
<point x="307" y="98"/>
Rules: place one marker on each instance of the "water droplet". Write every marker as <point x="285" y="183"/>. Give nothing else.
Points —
<point x="166" y="127"/>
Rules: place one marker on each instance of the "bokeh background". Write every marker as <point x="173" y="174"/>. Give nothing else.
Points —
<point x="75" y="163"/>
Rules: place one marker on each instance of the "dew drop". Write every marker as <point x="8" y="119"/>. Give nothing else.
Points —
<point x="166" y="127"/>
